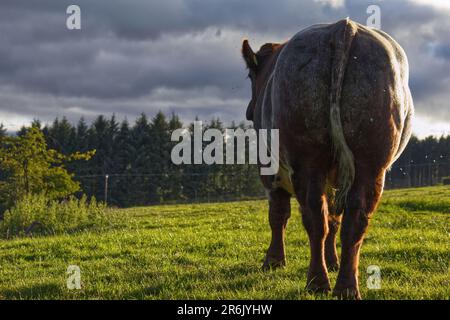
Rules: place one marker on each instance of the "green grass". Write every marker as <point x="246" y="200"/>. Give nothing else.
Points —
<point x="214" y="251"/>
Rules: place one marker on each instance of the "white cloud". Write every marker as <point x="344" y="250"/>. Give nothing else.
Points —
<point x="12" y="121"/>
<point x="424" y="126"/>
<point x="332" y="3"/>
<point x="439" y="4"/>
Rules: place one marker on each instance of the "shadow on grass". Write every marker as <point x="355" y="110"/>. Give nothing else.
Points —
<point x="438" y="206"/>
<point x="224" y="282"/>
<point x="37" y="291"/>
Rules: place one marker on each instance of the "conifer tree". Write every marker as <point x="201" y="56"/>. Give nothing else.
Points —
<point x="140" y="165"/>
<point x="2" y="130"/>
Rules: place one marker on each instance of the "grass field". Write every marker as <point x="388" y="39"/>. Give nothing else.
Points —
<point x="214" y="251"/>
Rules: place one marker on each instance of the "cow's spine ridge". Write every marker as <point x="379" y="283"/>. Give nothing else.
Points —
<point x="341" y="41"/>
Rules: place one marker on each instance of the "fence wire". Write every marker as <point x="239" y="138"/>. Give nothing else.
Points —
<point x="129" y="189"/>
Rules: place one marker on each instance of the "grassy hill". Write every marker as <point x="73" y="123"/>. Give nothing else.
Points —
<point x="210" y="251"/>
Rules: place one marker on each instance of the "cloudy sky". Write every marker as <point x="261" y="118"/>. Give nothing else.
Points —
<point x="134" y="56"/>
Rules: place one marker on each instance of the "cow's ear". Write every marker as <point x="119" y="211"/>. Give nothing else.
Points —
<point x="249" y="56"/>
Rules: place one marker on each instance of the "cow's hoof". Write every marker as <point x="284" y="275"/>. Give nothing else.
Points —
<point x="318" y="284"/>
<point x="313" y="289"/>
<point x="333" y="266"/>
<point x="272" y="263"/>
<point x="351" y="293"/>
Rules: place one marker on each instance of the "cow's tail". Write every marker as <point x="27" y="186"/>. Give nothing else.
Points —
<point x="341" y="40"/>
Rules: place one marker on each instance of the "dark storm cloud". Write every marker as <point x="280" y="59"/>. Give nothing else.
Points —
<point x="183" y="56"/>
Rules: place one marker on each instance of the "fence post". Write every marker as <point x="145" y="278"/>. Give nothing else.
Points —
<point x="430" y="174"/>
<point x="409" y="175"/>
<point x="106" y="189"/>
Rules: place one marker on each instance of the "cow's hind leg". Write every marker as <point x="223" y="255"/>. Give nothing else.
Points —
<point x="334" y="221"/>
<point x="361" y="202"/>
<point x="279" y="213"/>
<point x="331" y="256"/>
<point x="310" y="191"/>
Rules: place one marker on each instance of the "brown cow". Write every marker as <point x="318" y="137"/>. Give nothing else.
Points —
<point x="338" y="93"/>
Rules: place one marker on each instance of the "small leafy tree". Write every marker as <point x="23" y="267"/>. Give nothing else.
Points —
<point x="30" y="168"/>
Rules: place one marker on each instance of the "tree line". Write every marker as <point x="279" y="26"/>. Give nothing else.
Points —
<point x="136" y="158"/>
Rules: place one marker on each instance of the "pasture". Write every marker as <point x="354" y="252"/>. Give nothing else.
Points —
<point x="215" y="251"/>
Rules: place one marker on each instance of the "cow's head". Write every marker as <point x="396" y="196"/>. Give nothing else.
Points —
<point x="259" y="66"/>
